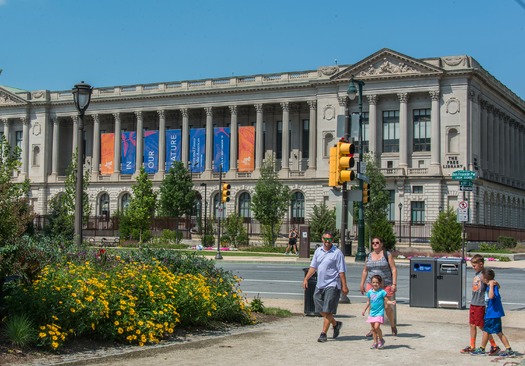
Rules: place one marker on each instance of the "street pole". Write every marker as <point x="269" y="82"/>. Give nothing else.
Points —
<point x="79" y="204"/>
<point x="221" y="208"/>
<point x="361" y="254"/>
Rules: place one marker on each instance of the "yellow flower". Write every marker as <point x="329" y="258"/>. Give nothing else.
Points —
<point x="74" y="295"/>
<point x="42" y="335"/>
<point x="116" y="323"/>
<point x="120" y="330"/>
<point x="54" y="345"/>
<point x="119" y="313"/>
<point x="72" y="310"/>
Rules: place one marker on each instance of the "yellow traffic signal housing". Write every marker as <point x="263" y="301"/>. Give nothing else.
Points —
<point x="341" y="161"/>
<point x="225" y="193"/>
<point x="366" y="192"/>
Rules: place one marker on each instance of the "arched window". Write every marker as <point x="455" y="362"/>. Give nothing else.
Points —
<point x="216" y="203"/>
<point x="453" y="141"/>
<point x="297" y="208"/>
<point x="103" y="205"/>
<point x="328" y="143"/>
<point x="124" y="202"/>
<point x="244" y="205"/>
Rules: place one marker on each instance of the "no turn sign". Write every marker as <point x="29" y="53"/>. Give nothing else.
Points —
<point x="463" y="204"/>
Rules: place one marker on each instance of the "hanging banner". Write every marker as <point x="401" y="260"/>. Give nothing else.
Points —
<point x="107" y="153"/>
<point x="221" y="148"/>
<point x="246" y="149"/>
<point x="151" y="151"/>
<point x="128" y="152"/>
<point x="173" y="147"/>
<point x="197" y="150"/>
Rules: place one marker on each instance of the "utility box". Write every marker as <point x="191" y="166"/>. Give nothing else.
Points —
<point x="450" y="283"/>
<point x="304" y="241"/>
<point x="423" y="282"/>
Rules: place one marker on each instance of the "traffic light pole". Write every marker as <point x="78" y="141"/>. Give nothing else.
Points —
<point x="361" y="254"/>
<point x="221" y="208"/>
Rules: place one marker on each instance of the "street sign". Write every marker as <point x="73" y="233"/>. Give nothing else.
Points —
<point x="463" y="175"/>
<point x="465" y="189"/>
<point x="463" y="205"/>
<point x="462" y="214"/>
<point x="363" y="177"/>
<point x="466" y="183"/>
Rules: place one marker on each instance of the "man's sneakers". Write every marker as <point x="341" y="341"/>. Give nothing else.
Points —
<point x="322" y="338"/>
<point x="494" y="351"/>
<point x="478" y="352"/>
<point x="467" y="349"/>
<point x="337" y="329"/>
<point x="507" y="353"/>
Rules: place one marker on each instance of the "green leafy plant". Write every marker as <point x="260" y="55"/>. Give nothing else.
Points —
<point x="234" y="231"/>
<point x="256" y="305"/>
<point x="507" y="242"/>
<point x="322" y="219"/>
<point x="446" y="232"/>
<point x="19" y="330"/>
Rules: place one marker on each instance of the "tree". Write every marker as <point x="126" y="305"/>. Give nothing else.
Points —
<point x="177" y="196"/>
<point x="270" y="201"/>
<point x="322" y="219"/>
<point x="446" y="232"/>
<point x="62" y="205"/>
<point x="136" y="220"/>
<point x="234" y="231"/>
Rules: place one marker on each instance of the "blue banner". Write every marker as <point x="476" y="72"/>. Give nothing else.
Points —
<point x="197" y="150"/>
<point x="151" y="151"/>
<point x="173" y="147"/>
<point x="128" y="152"/>
<point x="221" y="149"/>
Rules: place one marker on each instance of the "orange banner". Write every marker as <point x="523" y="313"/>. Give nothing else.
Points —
<point x="107" y="153"/>
<point x="246" y="149"/>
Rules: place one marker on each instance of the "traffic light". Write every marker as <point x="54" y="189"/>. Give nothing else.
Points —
<point x="366" y="192"/>
<point x="225" y="194"/>
<point x="341" y="161"/>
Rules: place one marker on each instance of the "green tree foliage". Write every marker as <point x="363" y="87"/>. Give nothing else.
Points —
<point x="62" y="206"/>
<point x="270" y="202"/>
<point x="383" y="229"/>
<point x="135" y="222"/>
<point x="177" y="196"/>
<point x="234" y="231"/>
<point x="446" y="232"/>
<point x="322" y="219"/>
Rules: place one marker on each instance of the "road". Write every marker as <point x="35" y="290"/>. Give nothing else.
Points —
<point x="284" y="280"/>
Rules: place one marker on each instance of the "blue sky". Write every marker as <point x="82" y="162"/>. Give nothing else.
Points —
<point x="53" y="44"/>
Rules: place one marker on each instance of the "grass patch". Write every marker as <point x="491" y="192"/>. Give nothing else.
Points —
<point x="281" y="313"/>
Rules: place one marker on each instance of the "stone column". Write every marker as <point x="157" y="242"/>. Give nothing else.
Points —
<point x="490" y="138"/>
<point x="312" y="136"/>
<point x="140" y="142"/>
<point x="484" y="129"/>
<point x="516" y="157"/>
<point x="209" y="138"/>
<point x="7" y="130"/>
<point x="95" y="169"/>
<point x="509" y="147"/>
<point x="403" y="131"/>
<point x="185" y="136"/>
<point x="372" y="124"/>
<point x="162" y="142"/>
<point x="116" y="157"/>
<point x="285" y="161"/>
<point x="258" y="136"/>
<point x="435" y="139"/>
<point x="234" y="131"/>
<point x="75" y="134"/>
<point x="25" y="145"/>
<point x="56" y="144"/>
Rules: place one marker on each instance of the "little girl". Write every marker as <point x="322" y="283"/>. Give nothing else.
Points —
<point x="376" y="302"/>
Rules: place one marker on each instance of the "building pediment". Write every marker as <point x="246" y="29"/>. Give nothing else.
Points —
<point x="386" y="64"/>
<point x="8" y="98"/>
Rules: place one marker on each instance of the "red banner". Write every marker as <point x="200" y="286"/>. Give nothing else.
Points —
<point x="246" y="149"/>
<point x="107" y="153"/>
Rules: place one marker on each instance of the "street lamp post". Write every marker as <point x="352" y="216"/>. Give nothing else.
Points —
<point x="400" y="208"/>
<point x="205" y="213"/>
<point x="82" y="98"/>
<point x="352" y="92"/>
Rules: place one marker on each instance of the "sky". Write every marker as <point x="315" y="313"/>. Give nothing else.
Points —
<point x="54" y="44"/>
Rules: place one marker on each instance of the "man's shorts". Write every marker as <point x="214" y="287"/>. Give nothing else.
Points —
<point x="493" y="326"/>
<point x="476" y="315"/>
<point x="326" y="299"/>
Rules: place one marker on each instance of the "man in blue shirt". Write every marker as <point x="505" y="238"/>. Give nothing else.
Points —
<point x="329" y="262"/>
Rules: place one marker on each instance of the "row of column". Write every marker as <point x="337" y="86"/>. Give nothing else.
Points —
<point x="25" y="141"/>
<point x="502" y="148"/>
<point x="259" y="148"/>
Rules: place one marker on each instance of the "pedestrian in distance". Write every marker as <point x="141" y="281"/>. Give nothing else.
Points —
<point x="376" y="302"/>
<point x="477" y="307"/>
<point x="493" y="314"/>
<point x="380" y="262"/>
<point x="292" y="242"/>
<point x="329" y="263"/>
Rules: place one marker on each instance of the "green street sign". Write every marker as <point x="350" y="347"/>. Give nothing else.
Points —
<point x="463" y="175"/>
<point x="466" y="183"/>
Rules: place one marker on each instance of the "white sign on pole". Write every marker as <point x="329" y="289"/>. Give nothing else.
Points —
<point x="462" y="214"/>
<point x="463" y="204"/>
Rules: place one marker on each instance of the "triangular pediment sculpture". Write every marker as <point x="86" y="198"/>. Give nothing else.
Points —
<point x="387" y="63"/>
<point x="8" y="98"/>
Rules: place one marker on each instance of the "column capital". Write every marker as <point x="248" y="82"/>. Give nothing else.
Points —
<point x="259" y="107"/>
<point x="116" y="116"/>
<point x="285" y="106"/>
<point x="403" y="97"/>
<point x="372" y="99"/>
<point x="25" y="120"/>
<point x="184" y="112"/>
<point x="233" y="109"/>
<point x="343" y="101"/>
<point x="96" y="118"/>
<point x="209" y="111"/>
<point x="312" y="104"/>
<point x="472" y="94"/>
<point x="75" y="118"/>
<point x="5" y="121"/>
<point x="434" y="95"/>
<point x="161" y="113"/>
<point x="138" y="114"/>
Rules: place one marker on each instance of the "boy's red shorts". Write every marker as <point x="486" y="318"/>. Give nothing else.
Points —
<point x="476" y="315"/>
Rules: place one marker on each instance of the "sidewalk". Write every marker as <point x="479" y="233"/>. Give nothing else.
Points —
<point x="427" y="336"/>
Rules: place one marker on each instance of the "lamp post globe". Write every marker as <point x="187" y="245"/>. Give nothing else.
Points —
<point x="81" y="98"/>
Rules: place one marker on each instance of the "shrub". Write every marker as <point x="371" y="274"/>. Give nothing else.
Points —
<point x="446" y="232"/>
<point x="172" y="236"/>
<point x="488" y="247"/>
<point x="234" y="231"/>
<point x="19" y="330"/>
<point x="507" y="242"/>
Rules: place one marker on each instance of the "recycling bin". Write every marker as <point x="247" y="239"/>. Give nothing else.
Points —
<point x="309" y="305"/>
<point x="451" y="283"/>
<point x="422" y="290"/>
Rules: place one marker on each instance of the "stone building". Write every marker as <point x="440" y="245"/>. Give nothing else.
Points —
<point x="422" y="118"/>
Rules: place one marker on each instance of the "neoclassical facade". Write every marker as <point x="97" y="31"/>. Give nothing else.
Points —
<point x="422" y="119"/>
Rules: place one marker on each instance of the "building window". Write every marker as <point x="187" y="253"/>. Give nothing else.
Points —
<point x="244" y="205"/>
<point x="297" y="208"/>
<point x="124" y="202"/>
<point x="453" y="141"/>
<point x="216" y="204"/>
<point x="104" y="205"/>
<point x="36" y="155"/>
<point x="417" y="189"/>
<point x="422" y="131"/>
<point x="328" y="144"/>
<point x="18" y="136"/>
<point x="390" y="131"/>
<point x="306" y="137"/>
<point x="366" y="133"/>
<point x="279" y="142"/>
<point x="417" y="212"/>
<point x="391" y="208"/>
